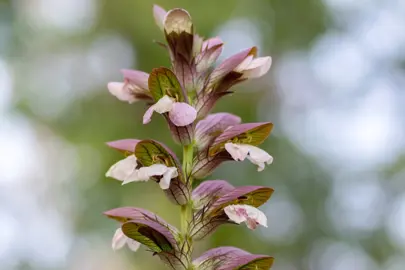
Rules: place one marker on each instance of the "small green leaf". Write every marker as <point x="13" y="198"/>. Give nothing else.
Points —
<point x="162" y="81"/>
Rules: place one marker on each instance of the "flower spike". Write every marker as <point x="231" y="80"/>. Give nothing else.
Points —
<point x="184" y="94"/>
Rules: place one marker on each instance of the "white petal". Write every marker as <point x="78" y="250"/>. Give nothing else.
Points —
<point x="170" y="173"/>
<point x="232" y="212"/>
<point x="119" y="239"/>
<point x="136" y="177"/>
<point x="259" y="157"/>
<point x="245" y="64"/>
<point x="246" y="213"/>
<point x="123" y="170"/>
<point x="256" y="215"/>
<point x="132" y="244"/>
<point x="148" y="115"/>
<point x="251" y="224"/>
<point x="165" y="104"/>
<point x="120" y="91"/>
<point x="258" y="67"/>
<point x="156" y="169"/>
<point x="182" y="114"/>
<point x="237" y="151"/>
<point x="256" y="155"/>
<point x="145" y="173"/>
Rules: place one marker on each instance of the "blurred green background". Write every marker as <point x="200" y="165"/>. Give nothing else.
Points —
<point x="335" y="94"/>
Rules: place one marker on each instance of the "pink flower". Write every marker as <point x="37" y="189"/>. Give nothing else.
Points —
<point x="245" y="213"/>
<point x="180" y="113"/>
<point x="134" y="87"/>
<point x="243" y="63"/>
<point x="254" y="67"/>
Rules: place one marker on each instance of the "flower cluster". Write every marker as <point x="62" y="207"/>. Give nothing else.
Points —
<point x="184" y="95"/>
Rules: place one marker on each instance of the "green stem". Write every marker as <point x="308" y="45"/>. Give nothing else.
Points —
<point x="186" y="214"/>
<point x="188" y="160"/>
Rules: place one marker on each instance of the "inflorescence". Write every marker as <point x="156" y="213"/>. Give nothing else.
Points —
<point x="184" y="95"/>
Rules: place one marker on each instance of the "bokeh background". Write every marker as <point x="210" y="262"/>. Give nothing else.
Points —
<point x="335" y="94"/>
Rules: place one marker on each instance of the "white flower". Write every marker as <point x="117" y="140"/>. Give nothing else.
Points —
<point x="121" y="91"/>
<point x="120" y="239"/>
<point x="256" y="155"/>
<point x="245" y="213"/>
<point x="168" y="175"/>
<point x="254" y="67"/>
<point x="125" y="171"/>
<point x="180" y="113"/>
<point x="134" y="87"/>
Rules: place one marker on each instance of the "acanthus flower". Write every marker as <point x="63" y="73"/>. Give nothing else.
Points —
<point x="256" y="155"/>
<point x="142" y="165"/>
<point x="244" y="64"/>
<point x="245" y="213"/>
<point x="139" y="226"/>
<point x="170" y="98"/>
<point x="254" y="67"/>
<point x="211" y="199"/>
<point x="126" y="171"/>
<point x="235" y="69"/>
<point x="180" y="113"/>
<point x="235" y="142"/>
<point x="134" y="87"/>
